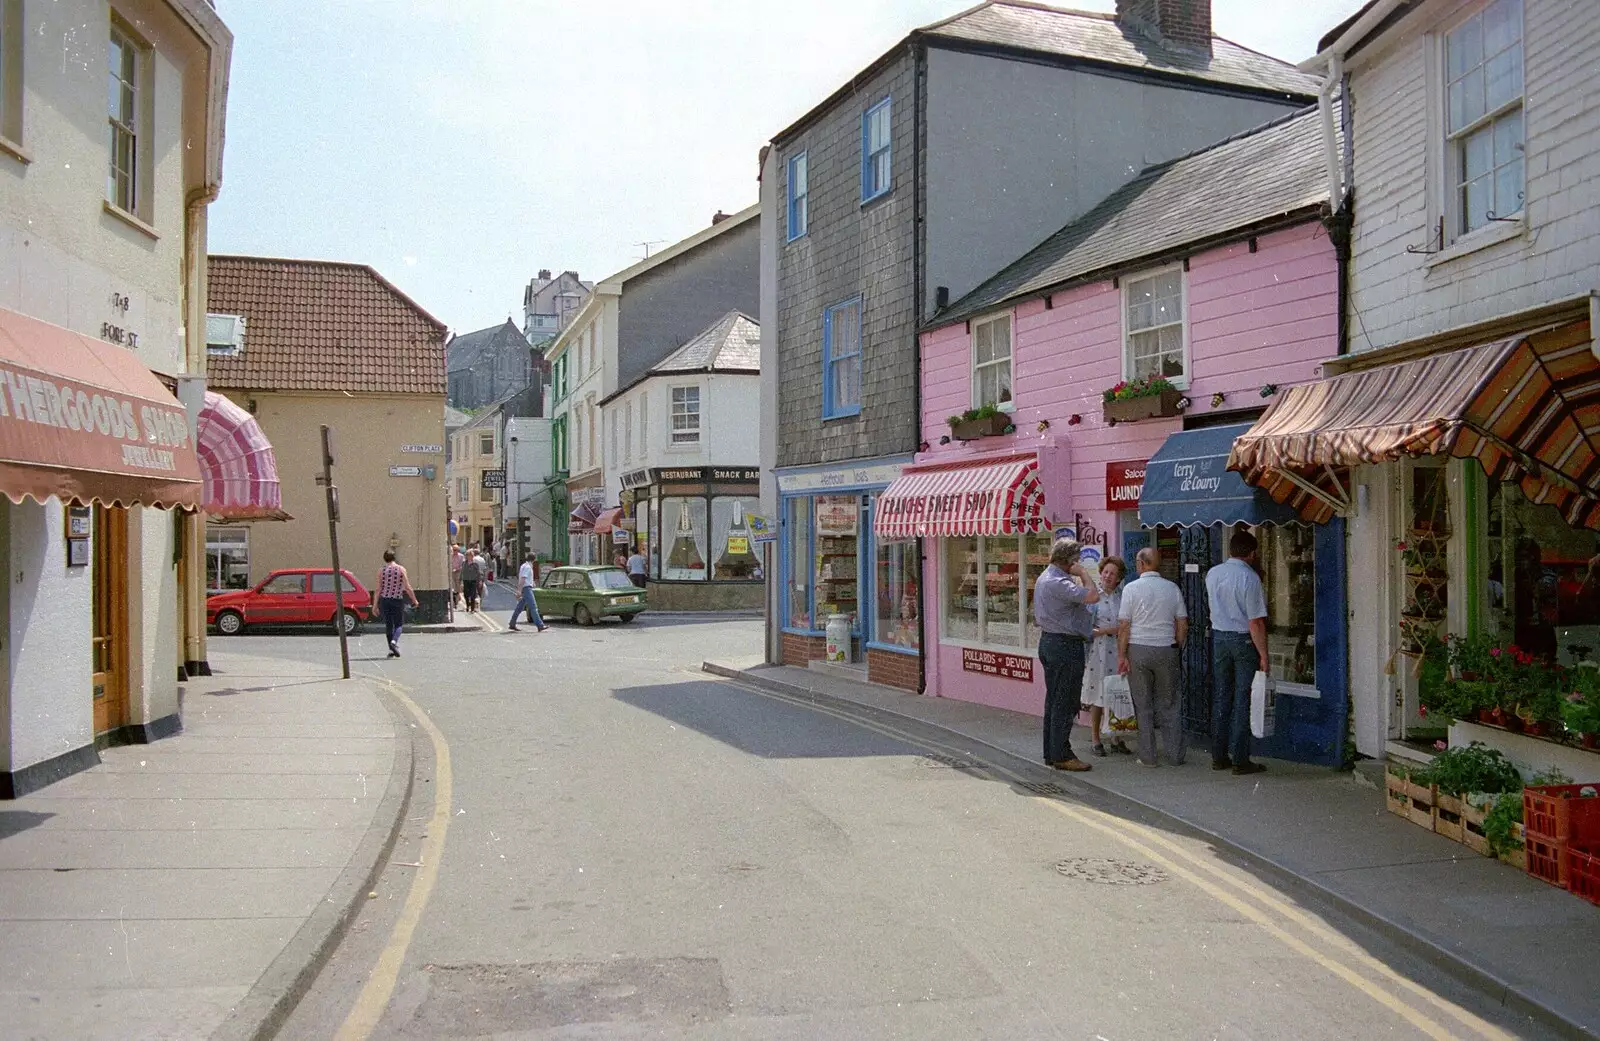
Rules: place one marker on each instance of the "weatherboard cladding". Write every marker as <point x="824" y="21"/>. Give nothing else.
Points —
<point x="1248" y="180"/>
<point x="315" y="325"/>
<point x="850" y="250"/>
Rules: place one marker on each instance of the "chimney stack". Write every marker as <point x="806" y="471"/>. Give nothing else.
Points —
<point x="1185" y="24"/>
<point x="719" y="217"/>
<point x="544" y="274"/>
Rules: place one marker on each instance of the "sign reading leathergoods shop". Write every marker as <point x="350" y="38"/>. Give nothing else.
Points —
<point x="77" y="425"/>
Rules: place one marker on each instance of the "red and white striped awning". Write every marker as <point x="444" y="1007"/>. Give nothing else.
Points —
<point x="237" y="464"/>
<point x="997" y="498"/>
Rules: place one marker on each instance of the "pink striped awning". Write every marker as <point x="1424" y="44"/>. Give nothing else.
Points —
<point x="993" y="498"/>
<point x="238" y="470"/>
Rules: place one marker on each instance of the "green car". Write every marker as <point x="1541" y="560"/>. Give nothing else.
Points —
<point x="588" y="592"/>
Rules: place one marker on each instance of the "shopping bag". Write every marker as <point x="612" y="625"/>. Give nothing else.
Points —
<point x="1118" y="720"/>
<point x="1261" y="705"/>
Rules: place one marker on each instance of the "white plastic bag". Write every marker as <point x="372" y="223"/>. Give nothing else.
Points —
<point x="1261" y="705"/>
<point x="1118" y="721"/>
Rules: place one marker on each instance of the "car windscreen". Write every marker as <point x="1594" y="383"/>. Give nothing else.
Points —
<point x="611" y="578"/>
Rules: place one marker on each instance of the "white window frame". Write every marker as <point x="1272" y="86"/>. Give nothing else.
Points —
<point x="627" y="431"/>
<point x="1007" y="363"/>
<point x="224" y="333"/>
<point x="132" y="124"/>
<point x="1128" y="282"/>
<point x="463" y="490"/>
<point x="644" y="425"/>
<point x="1452" y="143"/>
<point x="799" y="213"/>
<point x="488" y="436"/>
<point x="689" y="436"/>
<point x="611" y="435"/>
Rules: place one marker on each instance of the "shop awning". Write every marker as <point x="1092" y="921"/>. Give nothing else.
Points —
<point x="582" y="518"/>
<point x="608" y="520"/>
<point x="997" y="498"/>
<point x="1188" y="482"/>
<point x="237" y="466"/>
<point x="84" y="420"/>
<point x="1528" y="409"/>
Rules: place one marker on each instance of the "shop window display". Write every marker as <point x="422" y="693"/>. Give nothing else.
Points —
<point x="988" y="593"/>
<point x="735" y="556"/>
<point x="961" y="589"/>
<point x="227" y="558"/>
<point x="641" y="531"/>
<point x="683" y="539"/>
<point x="838" y="519"/>
<point x="898" y="595"/>
<point x="1287" y="560"/>
<point x="798" y="581"/>
<point x="1542" y="578"/>
<point x="1037" y="548"/>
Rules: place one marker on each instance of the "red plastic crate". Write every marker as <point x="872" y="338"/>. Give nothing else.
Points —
<point x="1547" y="861"/>
<point x="1583" y="873"/>
<point x="1562" y="813"/>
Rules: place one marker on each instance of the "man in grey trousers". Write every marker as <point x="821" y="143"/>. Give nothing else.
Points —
<point x="1151" y="627"/>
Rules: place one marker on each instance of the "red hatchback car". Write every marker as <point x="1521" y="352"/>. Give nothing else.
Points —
<point x="296" y="596"/>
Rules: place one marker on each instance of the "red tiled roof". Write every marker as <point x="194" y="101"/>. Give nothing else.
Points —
<point x="322" y="325"/>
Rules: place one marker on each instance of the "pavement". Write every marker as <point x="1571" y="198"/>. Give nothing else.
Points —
<point x="190" y="888"/>
<point x="1527" y="945"/>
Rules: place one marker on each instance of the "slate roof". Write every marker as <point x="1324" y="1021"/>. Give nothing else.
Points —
<point x="467" y="349"/>
<point x="1270" y="172"/>
<point x="322" y="325"/>
<point x="733" y="342"/>
<point x="1100" y="37"/>
<point x="455" y="419"/>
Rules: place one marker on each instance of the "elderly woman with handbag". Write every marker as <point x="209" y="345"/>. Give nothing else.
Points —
<point x="1102" y="657"/>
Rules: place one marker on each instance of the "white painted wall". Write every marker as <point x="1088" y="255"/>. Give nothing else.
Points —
<point x="528" y="470"/>
<point x="1552" y="254"/>
<point x="730" y="419"/>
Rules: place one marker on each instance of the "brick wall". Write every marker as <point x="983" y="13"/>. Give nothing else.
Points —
<point x="892" y="669"/>
<point x="797" y="650"/>
<point x="849" y="250"/>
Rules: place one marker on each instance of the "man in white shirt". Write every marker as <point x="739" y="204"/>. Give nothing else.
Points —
<point x="526" y="580"/>
<point x="636" y="568"/>
<point x="1238" y="649"/>
<point x="1151" y="626"/>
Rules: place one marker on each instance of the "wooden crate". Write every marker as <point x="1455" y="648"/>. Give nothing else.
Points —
<point x="1472" y="835"/>
<point x="1395" y="797"/>
<point x="1422" y="799"/>
<point x="1447" y="820"/>
<point x="1517" y="858"/>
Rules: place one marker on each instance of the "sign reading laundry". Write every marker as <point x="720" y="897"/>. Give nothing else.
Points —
<point x="1124" y="484"/>
<point x="994" y="663"/>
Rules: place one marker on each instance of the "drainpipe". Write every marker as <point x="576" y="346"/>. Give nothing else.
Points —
<point x="193" y="525"/>
<point x="1339" y="217"/>
<point x="919" y="78"/>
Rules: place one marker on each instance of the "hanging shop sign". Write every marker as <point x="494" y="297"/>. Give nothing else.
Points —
<point x="494" y="478"/>
<point x="994" y="663"/>
<point x="762" y="530"/>
<point x="636" y="479"/>
<point x="1125" y="484"/>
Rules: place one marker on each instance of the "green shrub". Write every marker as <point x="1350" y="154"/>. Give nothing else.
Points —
<point x="1475" y="768"/>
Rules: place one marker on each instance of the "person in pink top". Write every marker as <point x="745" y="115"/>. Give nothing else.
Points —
<point x="394" y="589"/>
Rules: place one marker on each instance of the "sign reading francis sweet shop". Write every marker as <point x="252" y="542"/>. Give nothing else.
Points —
<point x="1125" y="484"/>
<point x="994" y="663"/>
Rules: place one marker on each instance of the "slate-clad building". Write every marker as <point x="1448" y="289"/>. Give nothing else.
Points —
<point x="957" y="151"/>
<point x="486" y="365"/>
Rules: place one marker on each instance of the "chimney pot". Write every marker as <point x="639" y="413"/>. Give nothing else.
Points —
<point x="719" y="217"/>
<point x="544" y="274"/>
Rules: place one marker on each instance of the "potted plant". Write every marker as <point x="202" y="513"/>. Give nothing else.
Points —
<point x="983" y="421"/>
<point x="1580" y="709"/>
<point x="1148" y="397"/>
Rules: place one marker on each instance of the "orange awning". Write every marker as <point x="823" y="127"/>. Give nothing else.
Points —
<point x="84" y="420"/>
<point x="608" y="520"/>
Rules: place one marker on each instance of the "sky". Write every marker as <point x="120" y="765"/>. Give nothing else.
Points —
<point x="458" y="146"/>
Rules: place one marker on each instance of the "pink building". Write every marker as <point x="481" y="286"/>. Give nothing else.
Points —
<point x="1214" y="272"/>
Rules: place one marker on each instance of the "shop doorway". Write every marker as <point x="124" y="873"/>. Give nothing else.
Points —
<point x="109" y="638"/>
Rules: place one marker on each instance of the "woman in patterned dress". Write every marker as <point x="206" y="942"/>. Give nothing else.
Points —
<point x="1101" y="660"/>
<point x="394" y="589"/>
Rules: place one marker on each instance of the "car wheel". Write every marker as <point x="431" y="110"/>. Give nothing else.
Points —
<point x="230" y="623"/>
<point x="624" y="617"/>
<point x="352" y="623"/>
<point x="581" y="615"/>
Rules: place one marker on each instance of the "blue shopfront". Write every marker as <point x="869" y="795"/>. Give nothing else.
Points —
<point x="830" y="564"/>
<point x="1191" y="503"/>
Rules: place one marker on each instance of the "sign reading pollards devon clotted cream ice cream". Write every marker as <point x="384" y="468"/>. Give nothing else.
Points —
<point x="72" y="424"/>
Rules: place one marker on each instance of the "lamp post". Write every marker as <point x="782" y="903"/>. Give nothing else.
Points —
<point x="516" y="493"/>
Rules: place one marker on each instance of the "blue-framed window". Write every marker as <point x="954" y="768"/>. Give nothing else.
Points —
<point x="841" y="359"/>
<point x="799" y="202"/>
<point x="876" y="160"/>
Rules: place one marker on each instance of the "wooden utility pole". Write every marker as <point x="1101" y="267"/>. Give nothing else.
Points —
<point x="333" y="541"/>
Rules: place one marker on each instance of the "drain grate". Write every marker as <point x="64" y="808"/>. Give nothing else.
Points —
<point x="1111" y="872"/>
<point x="950" y="762"/>
<point x="1041" y="788"/>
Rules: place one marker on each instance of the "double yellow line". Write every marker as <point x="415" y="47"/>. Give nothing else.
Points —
<point x="1338" y="954"/>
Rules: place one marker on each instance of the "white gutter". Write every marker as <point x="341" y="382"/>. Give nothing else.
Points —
<point x="1357" y="32"/>
<point x="1330" y="140"/>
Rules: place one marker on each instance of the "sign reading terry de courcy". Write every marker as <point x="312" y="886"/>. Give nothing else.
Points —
<point x="1125" y="484"/>
<point x="48" y="421"/>
<point x="994" y="663"/>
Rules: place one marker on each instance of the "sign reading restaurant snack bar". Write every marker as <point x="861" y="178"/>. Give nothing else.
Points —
<point x="1125" y="484"/>
<point x="994" y="663"/>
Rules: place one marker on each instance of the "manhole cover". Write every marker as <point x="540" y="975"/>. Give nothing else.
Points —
<point x="1111" y="872"/>
<point x="1041" y="788"/>
<point x="949" y="762"/>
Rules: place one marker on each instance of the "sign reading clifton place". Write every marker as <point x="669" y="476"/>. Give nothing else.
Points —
<point x="994" y="663"/>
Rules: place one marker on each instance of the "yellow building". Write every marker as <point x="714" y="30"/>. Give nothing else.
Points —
<point x="477" y="480"/>
<point x="317" y="343"/>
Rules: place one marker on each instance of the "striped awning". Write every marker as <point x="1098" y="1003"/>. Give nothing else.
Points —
<point x="998" y="498"/>
<point x="1528" y="409"/>
<point x="238" y="470"/>
<point x="581" y="519"/>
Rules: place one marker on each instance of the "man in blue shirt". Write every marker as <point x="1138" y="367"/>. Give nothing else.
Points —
<point x="1060" y="608"/>
<point x="1238" y="649"/>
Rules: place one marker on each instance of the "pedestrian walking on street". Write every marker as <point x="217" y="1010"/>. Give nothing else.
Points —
<point x="1061" y="602"/>
<point x="527" y="578"/>
<point x="636" y="567"/>
<point x="1238" y="649"/>
<point x="1102" y="661"/>
<point x="472" y="579"/>
<point x="1152" y="626"/>
<point x="394" y="589"/>
<point x="457" y="558"/>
